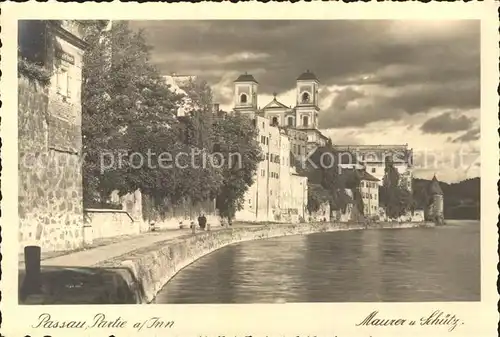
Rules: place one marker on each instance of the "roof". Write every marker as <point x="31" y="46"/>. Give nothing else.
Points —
<point x="359" y="147"/>
<point x="349" y="176"/>
<point x="434" y="187"/>
<point x="316" y="131"/>
<point x="363" y="175"/>
<point x="307" y="76"/>
<point x="246" y="78"/>
<point x="379" y="153"/>
<point x="275" y="104"/>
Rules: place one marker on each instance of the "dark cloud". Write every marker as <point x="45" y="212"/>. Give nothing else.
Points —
<point x="471" y="135"/>
<point x="407" y="100"/>
<point x="344" y="97"/>
<point x="447" y="123"/>
<point x="430" y="66"/>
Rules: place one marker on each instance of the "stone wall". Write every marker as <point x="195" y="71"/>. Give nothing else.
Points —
<point x="50" y="181"/>
<point x="147" y="270"/>
<point x="107" y="223"/>
<point x="166" y="215"/>
<point x="50" y="142"/>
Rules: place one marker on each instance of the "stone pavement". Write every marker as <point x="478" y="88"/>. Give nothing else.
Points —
<point x="114" y="247"/>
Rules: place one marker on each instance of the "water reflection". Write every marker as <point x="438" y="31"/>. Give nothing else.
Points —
<point x="439" y="264"/>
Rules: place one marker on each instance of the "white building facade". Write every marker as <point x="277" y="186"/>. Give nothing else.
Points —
<point x="277" y="191"/>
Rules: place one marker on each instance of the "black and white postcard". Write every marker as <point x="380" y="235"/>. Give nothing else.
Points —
<point x="249" y="169"/>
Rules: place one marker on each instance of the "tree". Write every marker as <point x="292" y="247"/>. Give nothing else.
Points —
<point x="316" y="196"/>
<point x="198" y="134"/>
<point x="235" y="144"/>
<point x="199" y="106"/>
<point x="127" y="110"/>
<point x="323" y="168"/>
<point x="396" y="199"/>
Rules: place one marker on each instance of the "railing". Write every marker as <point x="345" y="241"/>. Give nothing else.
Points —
<point x="107" y="210"/>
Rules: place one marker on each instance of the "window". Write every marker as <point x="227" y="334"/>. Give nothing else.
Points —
<point x="275" y="121"/>
<point x="267" y="156"/>
<point x="290" y="121"/>
<point x="305" y="121"/>
<point x="263" y="173"/>
<point x="374" y="170"/>
<point x="243" y="98"/>
<point x="277" y="176"/>
<point x="362" y="184"/>
<point x="62" y="82"/>
<point x="305" y="97"/>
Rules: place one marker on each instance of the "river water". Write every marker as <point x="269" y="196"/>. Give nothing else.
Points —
<point x="401" y="265"/>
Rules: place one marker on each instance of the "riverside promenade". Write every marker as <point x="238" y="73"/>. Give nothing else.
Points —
<point x="66" y="269"/>
<point x="108" y="248"/>
<point x="133" y="270"/>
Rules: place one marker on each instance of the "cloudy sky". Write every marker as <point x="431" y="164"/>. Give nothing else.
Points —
<point x="382" y="82"/>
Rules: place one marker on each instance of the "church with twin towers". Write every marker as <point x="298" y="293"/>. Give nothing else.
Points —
<point x="304" y="115"/>
<point x="300" y="123"/>
<point x="287" y="133"/>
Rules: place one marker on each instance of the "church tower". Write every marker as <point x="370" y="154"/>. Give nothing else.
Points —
<point x="245" y="95"/>
<point x="307" y="107"/>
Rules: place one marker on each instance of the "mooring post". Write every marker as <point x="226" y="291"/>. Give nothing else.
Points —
<point x="32" y="283"/>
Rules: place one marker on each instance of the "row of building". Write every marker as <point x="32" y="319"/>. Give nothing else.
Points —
<point x="288" y="134"/>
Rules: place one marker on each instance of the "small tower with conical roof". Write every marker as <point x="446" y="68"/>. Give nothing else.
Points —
<point x="245" y="94"/>
<point x="435" y="207"/>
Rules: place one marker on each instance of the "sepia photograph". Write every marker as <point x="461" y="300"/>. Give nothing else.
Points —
<point x="248" y="161"/>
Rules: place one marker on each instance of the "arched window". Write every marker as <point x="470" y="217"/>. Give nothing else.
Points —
<point x="274" y="121"/>
<point x="290" y="121"/>
<point x="243" y="98"/>
<point x="305" y="97"/>
<point x="305" y="121"/>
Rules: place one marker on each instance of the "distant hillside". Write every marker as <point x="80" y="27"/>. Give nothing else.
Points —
<point x="461" y="200"/>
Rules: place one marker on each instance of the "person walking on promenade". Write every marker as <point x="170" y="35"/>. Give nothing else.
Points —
<point x="202" y="221"/>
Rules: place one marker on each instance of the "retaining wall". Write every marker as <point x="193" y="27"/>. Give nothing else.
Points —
<point x="146" y="271"/>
